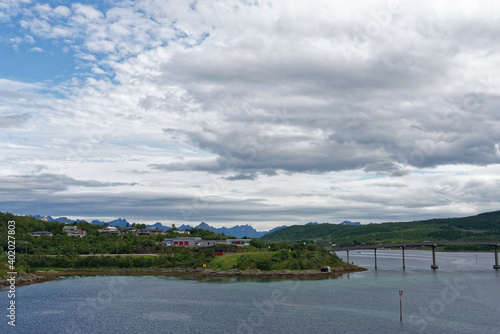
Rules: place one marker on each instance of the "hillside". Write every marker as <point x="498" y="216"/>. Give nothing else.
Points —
<point x="238" y="231"/>
<point x="96" y="242"/>
<point x="485" y="226"/>
<point x="64" y="252"/>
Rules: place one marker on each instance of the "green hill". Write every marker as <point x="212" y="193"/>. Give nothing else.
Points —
<point x="94" y="241"/>
<point x="32" y="252"/>
<point x="483" y="227"/>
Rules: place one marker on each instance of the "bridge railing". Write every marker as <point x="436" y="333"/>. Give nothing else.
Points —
<point x="432" y="244"/>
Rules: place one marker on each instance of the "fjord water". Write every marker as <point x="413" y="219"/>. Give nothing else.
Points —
<point x="462" y="296"/>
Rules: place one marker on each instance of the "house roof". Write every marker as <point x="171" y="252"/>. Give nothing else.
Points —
<point x="184" y="239"/>
<point x="69" y="228"/>
<point x="79" y="231"/>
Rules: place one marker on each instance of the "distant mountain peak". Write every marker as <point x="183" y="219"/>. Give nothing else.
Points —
<point x="347" y="222"/>
<point x="238" y="231"/>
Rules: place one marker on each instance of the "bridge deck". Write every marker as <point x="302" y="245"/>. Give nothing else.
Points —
<point x="416" y="244"/>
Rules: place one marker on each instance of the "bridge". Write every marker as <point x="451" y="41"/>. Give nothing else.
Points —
<point x="432" y="244"/>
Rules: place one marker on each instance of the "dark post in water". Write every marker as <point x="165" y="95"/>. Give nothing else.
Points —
<point x="375" y="251"/>
<point x="403" y="248"/>
<point x="434" y="265"/>
<point x="496" y="266"/>
<point x="400" y="306"/>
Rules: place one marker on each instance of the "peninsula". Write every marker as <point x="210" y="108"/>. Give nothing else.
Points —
<point x="45" y="250"/>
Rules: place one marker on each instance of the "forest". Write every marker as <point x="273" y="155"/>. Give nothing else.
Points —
<point x="95" y="242"/>
<point x="483" y="227"/>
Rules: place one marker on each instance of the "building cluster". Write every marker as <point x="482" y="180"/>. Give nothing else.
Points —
<point x="145" y="231"/>
<point x="71" y="231"/>
<point x="198" y="242"/>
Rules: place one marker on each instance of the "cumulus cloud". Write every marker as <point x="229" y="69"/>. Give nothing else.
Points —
<point x="297" y="101"/>
<point x="13" y="120"/>
<point x="50" y="183"/>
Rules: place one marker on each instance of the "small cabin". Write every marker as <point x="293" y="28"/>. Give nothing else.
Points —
<point x="217" y="250"/>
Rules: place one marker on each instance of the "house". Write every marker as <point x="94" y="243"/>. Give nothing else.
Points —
<point x="205" y="243"/>
<point x="182" y="241"/>
<point x="129" y="229"/>
<point x="182" y="232"/>
<point x="217" y="250"/>
<point x="109" y="230"/>
<point x="154" y="230"/>
<point x="150" y="231"/>
<point x="239" y="242"/>
<point x="77" y="233"/>
<point x="68" y="229"/>
<point x="41" y="233"/>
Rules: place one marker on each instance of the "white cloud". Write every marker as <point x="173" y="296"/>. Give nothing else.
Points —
<point x="269" y="106"/>
<point x="85" y="14"/>
<point x="10" y="8"/>
<point x="62" y="11"/>
<point x="37" y="49"/>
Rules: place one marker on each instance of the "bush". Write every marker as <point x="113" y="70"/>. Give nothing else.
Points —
<point x="245" y="262"/>
<point x="264" y="264"/>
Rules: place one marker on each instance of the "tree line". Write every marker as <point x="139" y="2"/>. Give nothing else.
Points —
<point x="95" y="242"/>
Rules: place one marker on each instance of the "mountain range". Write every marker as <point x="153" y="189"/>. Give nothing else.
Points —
<point x="238" y="231"/>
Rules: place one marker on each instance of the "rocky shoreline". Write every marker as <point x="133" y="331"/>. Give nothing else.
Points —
<point x="204" y="272"/>
<point x="39" y="276"/>
<point x="24" y="278"/>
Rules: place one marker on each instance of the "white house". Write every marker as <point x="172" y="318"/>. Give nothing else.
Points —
<point x="109" y="230"/>
<point x="150" y="231"/>
<point x="239" y="242"/>
<point x="182" y="241"/>
<point x="212" y="242"/>
<point x="77" y="233"/>
<point x="68" y="229"/>
<point x="41" y="233"/>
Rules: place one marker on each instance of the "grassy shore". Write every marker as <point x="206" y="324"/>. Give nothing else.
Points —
<point x="279" y="261"/>
<point x="203" y="272"/>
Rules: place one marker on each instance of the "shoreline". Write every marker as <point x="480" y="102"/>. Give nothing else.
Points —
<point x="23" y="278"/>
<point x="40" y="276"/>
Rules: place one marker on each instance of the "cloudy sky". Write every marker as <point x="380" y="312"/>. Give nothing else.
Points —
<point x="260" y="112"/>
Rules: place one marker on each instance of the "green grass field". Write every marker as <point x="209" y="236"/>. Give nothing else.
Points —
<point x="229" y="261"/>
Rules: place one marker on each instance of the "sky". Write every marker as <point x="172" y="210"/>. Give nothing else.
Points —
<point x="258" y="112"/>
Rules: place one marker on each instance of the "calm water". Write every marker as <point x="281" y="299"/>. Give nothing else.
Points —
<point x="462" y="296"/>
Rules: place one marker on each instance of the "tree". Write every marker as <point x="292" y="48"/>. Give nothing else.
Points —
<point x="258" y="243"/>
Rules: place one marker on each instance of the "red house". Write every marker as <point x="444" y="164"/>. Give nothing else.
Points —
<point x="217" y="250"/>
